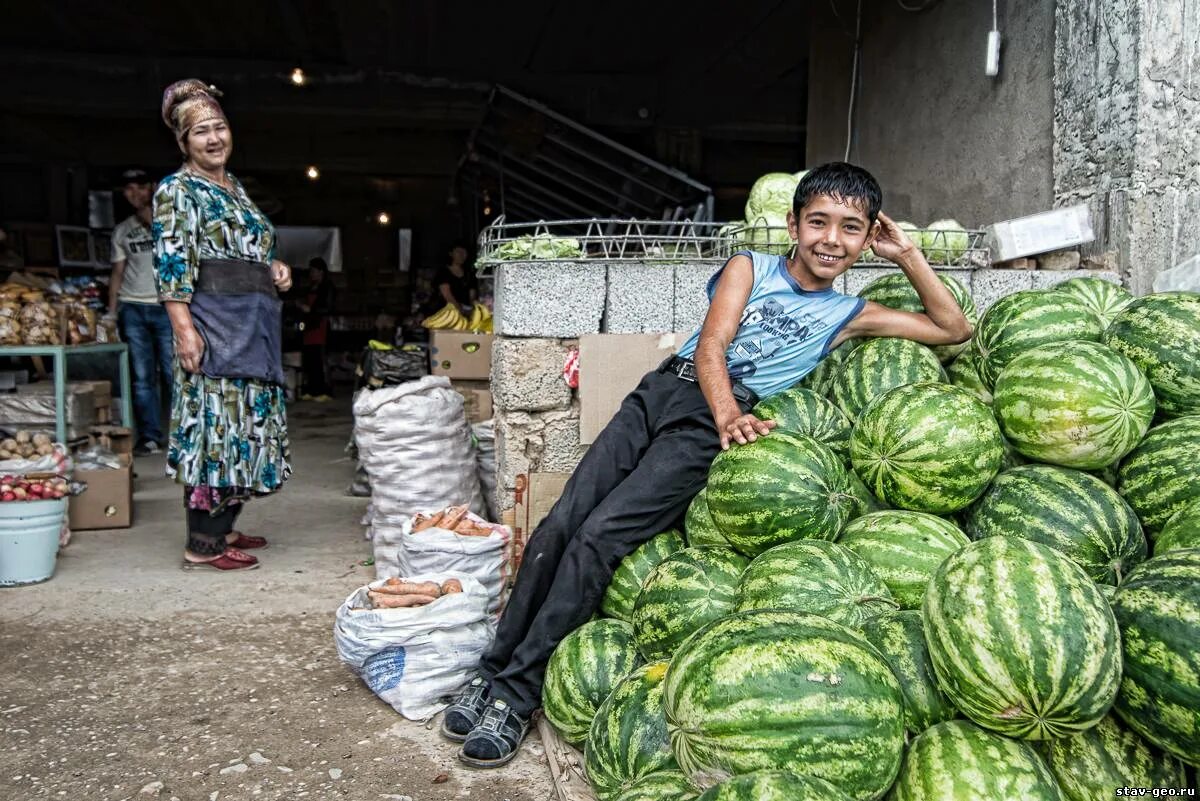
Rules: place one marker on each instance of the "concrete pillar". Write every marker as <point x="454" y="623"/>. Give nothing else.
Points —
<point x="1126" y="138"/>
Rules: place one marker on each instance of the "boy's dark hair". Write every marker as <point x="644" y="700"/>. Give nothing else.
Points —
<point x="845" y="183"/>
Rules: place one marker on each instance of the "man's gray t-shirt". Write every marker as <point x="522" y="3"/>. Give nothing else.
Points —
<point x="133" y="242"/>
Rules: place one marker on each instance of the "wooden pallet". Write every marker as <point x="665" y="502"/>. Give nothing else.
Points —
<point x="566" y="765"/>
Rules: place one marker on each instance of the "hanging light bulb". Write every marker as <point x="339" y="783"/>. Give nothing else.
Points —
<point x="312" y="172"/>
<point x="298" y="77"/>
<point x="383" y="218"/>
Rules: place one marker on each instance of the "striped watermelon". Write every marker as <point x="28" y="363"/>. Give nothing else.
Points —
<point x="1021" y="640"/>
<point x="900" y="638"/>
<point x="666" y="785"/>
<point x="904" y="549"/>
<point x="926" y="447"/>
<point x="1070" y="511"/>
<point x="1161" y="333"/>
<point x="1105" y="298"/>
<point x="1093" y="764"/>
<point x="1158" y="609"/>
<point x="1075" y="404"/>
<point x="774" y="785"/>
<point x="1181" y="531"/>
<point x="698" y="524"/>
<point x="777" y="690"/>
<point x="781" y="488"/>
<point x="687" y="590"/>
<point x="819" y="379"/>
<point x="802" y="411"/>
<point x="864" y="501"/>
<point x="583" y="670"/>
<point x="964" y="372"/>
<point x="879" y="365"/>
<point x="896" y="292"/>
<point x="627" y="579"/>
<point x="628" y="739"/>
<point x="817" y="577"/>
<point x="1158" y="477"/>
<point x="955" y="761"/>
<point x="1026" y="319"/>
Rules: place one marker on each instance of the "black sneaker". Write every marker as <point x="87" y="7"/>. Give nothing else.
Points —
<point x="495" y="740"/>
<point x="146" y="447"/>
<point x="464" y="713"/>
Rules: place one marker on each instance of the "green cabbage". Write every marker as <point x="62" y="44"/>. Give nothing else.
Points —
<point x="912" y="231"/>
<point x="539" y="246"/>
<point x="771" y="196"/>
<point x="944" y="242"/>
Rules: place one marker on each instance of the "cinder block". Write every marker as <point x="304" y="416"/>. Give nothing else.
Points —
<point x="540" y="442"/>
<point x="988" y="286"/>
<point x="641" y="298"/>
<point x="549" y="298"/>
<point x="859" y="277"/>
<point x="1045" y="280"/>
<point x="691" y="296"/>
<point x="527" y="374"/>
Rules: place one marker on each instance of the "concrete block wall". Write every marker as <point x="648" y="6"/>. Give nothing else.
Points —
<point x="542" y="308"/>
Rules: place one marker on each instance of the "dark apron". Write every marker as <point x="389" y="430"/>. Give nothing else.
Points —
<point x="239" y="315"/>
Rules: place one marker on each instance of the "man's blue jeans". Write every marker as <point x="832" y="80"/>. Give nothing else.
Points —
<point x="146" y="328"/>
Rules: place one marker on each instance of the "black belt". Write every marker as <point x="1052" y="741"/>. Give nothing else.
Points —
<point x="685" y="369"/>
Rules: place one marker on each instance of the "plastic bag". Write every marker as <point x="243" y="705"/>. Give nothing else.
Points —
<point x="400" y="552"/>
<point x="1184" y="276"/>
<point x="413" y="657"/>
<point x="485" y="463"/>
<point x="389" y="368"/>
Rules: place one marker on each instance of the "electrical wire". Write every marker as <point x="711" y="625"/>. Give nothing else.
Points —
<point x="915" y="9"/>
<point x="995" y="17"/>
<point x="853" y="81"/>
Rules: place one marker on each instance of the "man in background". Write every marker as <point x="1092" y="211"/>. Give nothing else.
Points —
<point x="133" y="297"/>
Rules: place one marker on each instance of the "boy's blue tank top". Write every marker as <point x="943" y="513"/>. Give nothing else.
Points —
<point x="785" y="330"/>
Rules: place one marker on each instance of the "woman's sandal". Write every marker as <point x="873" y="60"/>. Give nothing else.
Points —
<point x="231" y="559"/>
<point x="247" y="542"/>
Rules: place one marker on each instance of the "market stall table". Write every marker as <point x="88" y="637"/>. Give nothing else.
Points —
<point x="60" y="354"/>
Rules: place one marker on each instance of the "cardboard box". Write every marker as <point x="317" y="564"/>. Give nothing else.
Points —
<point x="117" y="439"/>
<point x="477" y="399"/>
<point x="108" y="500"/>
<point x="101" y="392"/>
<point x="456" y="354"/>
<point x="1040" y="233"/>
<point x="610" y="367"/>
<point x="31" y="408"/>
<point x="536" y="493"/>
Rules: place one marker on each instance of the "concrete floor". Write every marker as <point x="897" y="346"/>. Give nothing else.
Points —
<point x="125" y="678"/>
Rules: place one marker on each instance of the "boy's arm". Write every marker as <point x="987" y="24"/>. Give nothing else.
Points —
<point x="720" y="327"/>
<point x="942" y="322"/>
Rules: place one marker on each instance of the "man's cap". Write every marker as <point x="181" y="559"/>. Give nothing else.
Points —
<point x="135" y="175"/>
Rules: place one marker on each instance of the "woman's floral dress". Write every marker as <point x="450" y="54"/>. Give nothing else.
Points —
<point x="229" y="437"/>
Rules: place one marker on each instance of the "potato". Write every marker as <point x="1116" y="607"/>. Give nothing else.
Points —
<point x="24" y="436"/>
<point x="41" y="439"/>
<point x="9" y="444"/>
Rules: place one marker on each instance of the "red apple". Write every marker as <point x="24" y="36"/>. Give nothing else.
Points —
<point x="8" y="496"/>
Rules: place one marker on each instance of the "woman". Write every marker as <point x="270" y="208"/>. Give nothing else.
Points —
<point x="456" y="284"/>
<point x="317" y="306"/>
<point x="217" y="278"/>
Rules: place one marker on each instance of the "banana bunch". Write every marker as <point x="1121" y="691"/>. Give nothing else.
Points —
<point x="449" y="318"/>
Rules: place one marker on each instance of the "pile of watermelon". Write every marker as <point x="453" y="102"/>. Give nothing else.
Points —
<point x="963" y="575"/>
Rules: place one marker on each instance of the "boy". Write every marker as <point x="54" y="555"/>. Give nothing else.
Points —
<point x="770" y="321"/>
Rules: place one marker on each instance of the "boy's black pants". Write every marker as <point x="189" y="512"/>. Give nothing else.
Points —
<point x="635" y="481"/>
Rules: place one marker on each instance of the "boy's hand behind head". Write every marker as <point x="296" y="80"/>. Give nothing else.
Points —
<point x="890" y="240"/>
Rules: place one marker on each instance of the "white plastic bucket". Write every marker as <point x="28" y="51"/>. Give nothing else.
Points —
<point x="29" y="533"/>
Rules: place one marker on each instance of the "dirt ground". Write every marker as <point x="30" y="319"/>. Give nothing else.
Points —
<point x="125" y="678"/>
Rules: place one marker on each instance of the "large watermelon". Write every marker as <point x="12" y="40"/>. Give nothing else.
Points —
<point x="1094" y="764"/>
<point x="904" y="549"/>
<point x="926" y="447"/>
<point x="822" y="375"/>
<point x="964" y="372"/>
<point x="1075" y="404"/>
<point x="1021" y="640"/>
<point x="879" y="365"/>
<point x="698" y="524"/>
<point x="1024" y="320"/>
<point x="774" y="785"/>
<point x="865" y="501"/>
<point x="1068" y="510"/>
<point x="783" y="690"/>
<point x="1158" y="609"/>
<point x="628" y="739"/>
<point x="955" y="761"/>
<point x="1105" y="298"/>
<point x="896" y="292"/>
<point x="666" y="785"/>
<point x="1161" y="333"/>
<point x="802" y="411"/>
<point x="1181" y="531"/>
<point x="817" y="577"/>
<point x="627" y="579"/>
<point x="780" y="488"/>
<point x="1159" y="477"/>
<point x="900" y="638"/>
<point x="687" y="590"/>
<point x="584" y="668"/>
